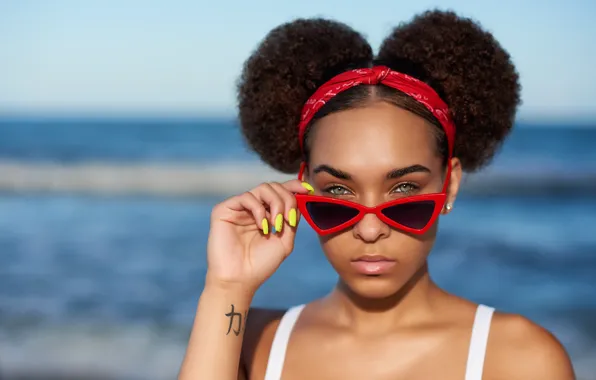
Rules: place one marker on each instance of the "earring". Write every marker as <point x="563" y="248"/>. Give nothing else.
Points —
<point x="448" y="206"/>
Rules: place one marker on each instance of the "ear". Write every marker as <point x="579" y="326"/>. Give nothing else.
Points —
<point x="453" y="187"/>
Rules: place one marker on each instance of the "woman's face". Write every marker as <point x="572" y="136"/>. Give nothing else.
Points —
<point x="352" y="152"/>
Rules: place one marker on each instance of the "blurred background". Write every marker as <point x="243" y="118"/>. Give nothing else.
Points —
<point x="118" y="135"/>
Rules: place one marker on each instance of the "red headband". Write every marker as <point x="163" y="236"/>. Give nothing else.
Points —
<point x="418" y="90"/>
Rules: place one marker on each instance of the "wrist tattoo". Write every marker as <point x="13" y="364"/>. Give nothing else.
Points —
<point x="241" y="321"/>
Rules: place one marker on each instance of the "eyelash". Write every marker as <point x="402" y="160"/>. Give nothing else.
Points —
<point x="412" y="188"/>
<point x="329" y="189"/>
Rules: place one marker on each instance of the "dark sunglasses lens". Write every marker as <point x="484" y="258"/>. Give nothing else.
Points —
<point x="414" y="215"/>
<point x="329" y="215"/>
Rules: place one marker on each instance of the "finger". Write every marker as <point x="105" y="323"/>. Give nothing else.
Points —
<point x="273" y="201"/>
<point x="248" y="202"/>
<point x="298" y="187"/>
<point x="291" y="212"/>
<point x="288" y="235"/>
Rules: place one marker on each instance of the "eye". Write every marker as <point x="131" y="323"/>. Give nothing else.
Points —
<point x="337" y="190"/>
<point x="405" y="188"/>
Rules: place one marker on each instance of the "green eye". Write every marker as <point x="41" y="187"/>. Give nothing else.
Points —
<point x="405" y="188"/>
<point x="337" y="190"/>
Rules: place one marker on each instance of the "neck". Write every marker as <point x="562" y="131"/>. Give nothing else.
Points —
<point x="412" y="304"/>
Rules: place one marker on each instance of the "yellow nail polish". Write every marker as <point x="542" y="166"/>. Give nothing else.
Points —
<point x="265" y="226"/>
<point x="308" y="187"/>
<point x="279" y="222"/>
<point x="292" y="217"/>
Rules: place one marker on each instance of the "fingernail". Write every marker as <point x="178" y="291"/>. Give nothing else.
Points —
<point x="292" y="217"/>
<point x="308" y="187"/>
<point x="265" y="226"/>
<point x="279" y="223"/>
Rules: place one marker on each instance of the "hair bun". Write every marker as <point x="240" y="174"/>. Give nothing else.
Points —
<point x="280" y="76"/>
<point x="473" y="73"/>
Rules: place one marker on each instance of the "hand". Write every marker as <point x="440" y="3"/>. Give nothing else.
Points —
<point x="241" y="249"/>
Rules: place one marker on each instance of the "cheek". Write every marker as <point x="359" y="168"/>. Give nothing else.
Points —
<point x="335" y="246"/>
<point x="409" y="248"/>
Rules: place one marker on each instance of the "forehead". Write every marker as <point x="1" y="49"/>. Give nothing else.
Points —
<point x="380" y="135"/>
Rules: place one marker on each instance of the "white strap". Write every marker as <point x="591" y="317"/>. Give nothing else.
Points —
<point x="478" y="342"/>
<point x="277" y="355"/>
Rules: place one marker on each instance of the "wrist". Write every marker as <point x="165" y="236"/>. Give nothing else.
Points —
<point x="228" y="289"/>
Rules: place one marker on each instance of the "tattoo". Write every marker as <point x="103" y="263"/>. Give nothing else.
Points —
<point x="233" y="315"/>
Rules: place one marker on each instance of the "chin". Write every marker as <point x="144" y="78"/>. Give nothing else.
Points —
<point x="373" y="287"/>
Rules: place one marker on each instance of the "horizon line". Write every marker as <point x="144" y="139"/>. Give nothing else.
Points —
<point x="582" y="120"/>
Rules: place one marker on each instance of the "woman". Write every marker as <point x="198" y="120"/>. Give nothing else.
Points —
<point x="382" y="142"/>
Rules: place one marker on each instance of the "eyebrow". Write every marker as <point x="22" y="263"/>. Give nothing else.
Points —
<point x="393" y="174"/>
<point x="396" y="173"/>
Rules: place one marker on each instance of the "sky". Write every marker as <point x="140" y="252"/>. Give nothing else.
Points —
<point x="183" y="57"/>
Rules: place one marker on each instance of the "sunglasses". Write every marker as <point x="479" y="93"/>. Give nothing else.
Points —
<point x="414" y="214"/>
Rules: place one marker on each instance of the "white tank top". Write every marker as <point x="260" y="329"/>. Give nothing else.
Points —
<point x="476" y="352"/>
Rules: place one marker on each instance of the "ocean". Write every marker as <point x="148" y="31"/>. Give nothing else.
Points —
<point x="101" y="285"/>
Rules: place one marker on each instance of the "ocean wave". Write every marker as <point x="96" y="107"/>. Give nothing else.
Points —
<point x="225" y="179"/>
<point x="90" y="352"/>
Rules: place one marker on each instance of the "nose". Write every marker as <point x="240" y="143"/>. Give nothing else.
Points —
<point x="371" y="229"/>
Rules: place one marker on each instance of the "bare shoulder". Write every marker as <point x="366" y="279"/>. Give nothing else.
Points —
<point x="260" y="328"/>
<point x="521" y="349"/>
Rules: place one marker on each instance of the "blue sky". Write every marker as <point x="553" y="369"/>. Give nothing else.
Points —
<point x="133" y="57"/>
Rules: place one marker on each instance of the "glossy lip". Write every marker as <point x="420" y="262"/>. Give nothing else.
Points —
<point x="373" y="265"/>
<point x="373" y="258"/>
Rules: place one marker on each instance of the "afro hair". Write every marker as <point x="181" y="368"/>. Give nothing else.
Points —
<point x="464" y="63"/>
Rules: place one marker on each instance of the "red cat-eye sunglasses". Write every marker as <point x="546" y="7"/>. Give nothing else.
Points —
<point x="414" y="214"/>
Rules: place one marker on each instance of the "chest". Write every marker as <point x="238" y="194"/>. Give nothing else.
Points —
<point x="402" y="356"/>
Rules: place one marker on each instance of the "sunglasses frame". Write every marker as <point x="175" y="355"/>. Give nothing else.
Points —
<point x="437" y="198"/>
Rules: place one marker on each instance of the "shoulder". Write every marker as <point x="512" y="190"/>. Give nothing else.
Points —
<point x="260" y="329"/>
<point x="521" y="349"/>
<point x="261" y="321"/>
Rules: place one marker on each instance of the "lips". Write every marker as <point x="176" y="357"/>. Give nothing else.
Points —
<point x="373" y="264"/>
<point x="373" y="258"/>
